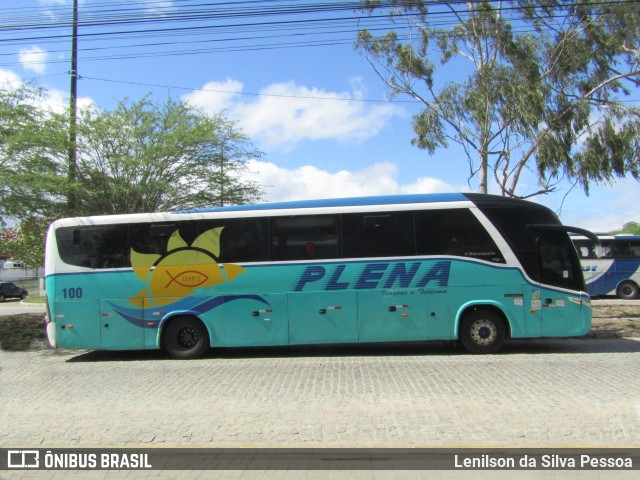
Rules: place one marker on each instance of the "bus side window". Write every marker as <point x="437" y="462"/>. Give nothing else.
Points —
<point x="586" y="249"/>
<point x="621" y="248"/>
<point x="384" y="234"/>
<point x="454" y="232"/>
<point x="305" y="237"/>
<point x="154" y="238"/>
<point x="241" y="240"/>
<point x="94" y="246"/>
<point x="604" y="250"/>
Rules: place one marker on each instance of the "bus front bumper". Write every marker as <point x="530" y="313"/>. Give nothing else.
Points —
<point x="51" y="333"/>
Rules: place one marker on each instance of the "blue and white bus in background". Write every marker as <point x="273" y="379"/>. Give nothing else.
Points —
<point x="467" y="267"/>
<point x="612" y="266"/>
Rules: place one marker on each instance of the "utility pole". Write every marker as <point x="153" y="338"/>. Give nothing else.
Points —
<point x="222" y="174"/>
<point x="72" y="197"/>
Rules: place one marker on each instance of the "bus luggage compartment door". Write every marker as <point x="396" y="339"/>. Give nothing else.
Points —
<point x="118" y="332"/>
<point x="77" y="325"/>
<point x="320" y="317"/>
<point x="392" y="316"/>
<point x="250" y="322"/>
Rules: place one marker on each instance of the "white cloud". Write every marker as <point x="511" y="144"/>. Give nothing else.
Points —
<point x="55" y="3"/>
<point x="33" y="59"/>
<point x="284" y="114"/>
<point x="214" y="97"/>
<point x="10" y="80"/>
<point x="607" y="208"/>
<point x="310" y="182"/>
<point x="58" y="101"/>
<point x="52" y="99"/>
<point x="157" y="8"/>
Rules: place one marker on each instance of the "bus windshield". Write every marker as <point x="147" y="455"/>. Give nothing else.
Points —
<point x="547" y="255"/>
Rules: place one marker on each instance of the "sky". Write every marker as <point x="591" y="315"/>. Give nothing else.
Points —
<point x="288" y="73"/>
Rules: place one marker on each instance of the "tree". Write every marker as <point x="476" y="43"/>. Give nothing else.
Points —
<point x="543" y="86"/>
<point x="141" y="157"/>
<point x="146" y="157"/>
<point x="25" y="243"/>
<point x="631" y="228"/>
<point x="32" y="147"/>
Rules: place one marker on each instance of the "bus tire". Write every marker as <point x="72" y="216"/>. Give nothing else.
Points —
<point x="185" y="337"/>
<point x="482" y="331"/>
<point x="627" y="291"/>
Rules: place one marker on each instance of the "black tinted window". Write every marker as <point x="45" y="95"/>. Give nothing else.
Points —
<point x="557" y="260"/>
<point x="241" y="240"/>
<point x="454" y="232"/>
<point x="513" y="223"/>
<point x="586" y="248"/>
<point x="305" y="237"/>
<point x="378" y="234"/>
<point x="94" y="246"/>
<point x="623" y="248"/>
<point x="547" y="255"/>
<point x="153" y="238"/>
<point x="110" y="246"/>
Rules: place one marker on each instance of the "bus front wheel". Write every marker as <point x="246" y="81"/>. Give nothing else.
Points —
<point x="482" y="331"/>
<point x="185" y="337"/>
<point x="627" y="291"/>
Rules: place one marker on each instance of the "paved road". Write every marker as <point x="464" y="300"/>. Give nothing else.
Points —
<point x="15" y="307"/>
<point x="536" y="393"/>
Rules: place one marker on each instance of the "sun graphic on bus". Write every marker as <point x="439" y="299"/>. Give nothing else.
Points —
<point x="182" y="269"/>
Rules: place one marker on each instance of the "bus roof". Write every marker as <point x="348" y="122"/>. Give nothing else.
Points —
<point x="337" y="202"/>
<point x="609" y="236"/>
<point x="366" y="201"/>
<point x="330" y="205"/>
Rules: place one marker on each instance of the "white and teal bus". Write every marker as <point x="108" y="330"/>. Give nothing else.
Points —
<point x="611" y="266"/>
<point x="468" y="267"/>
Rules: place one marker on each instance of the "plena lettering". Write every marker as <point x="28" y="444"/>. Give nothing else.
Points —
<point x="375" y="275"/>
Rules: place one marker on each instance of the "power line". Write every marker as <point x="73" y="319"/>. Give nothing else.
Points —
<point x="251" y="94"/>
<point x="101" y="23"/>
<point x="111" y="30"/>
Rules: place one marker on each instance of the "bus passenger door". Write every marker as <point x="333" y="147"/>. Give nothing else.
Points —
<point x="560" y="310"/>
<point x="323" y="317"/>
<point x="118" y="332"/>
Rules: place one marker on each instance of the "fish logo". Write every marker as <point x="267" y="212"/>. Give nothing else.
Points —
<point x="181" y="269"/>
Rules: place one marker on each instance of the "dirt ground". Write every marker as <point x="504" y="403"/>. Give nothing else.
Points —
<point x="27" y="331"/>
<point x="616" y="320"/>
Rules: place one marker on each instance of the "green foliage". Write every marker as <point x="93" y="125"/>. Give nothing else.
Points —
<point x="32" y="149"/>
<point x="544" y="84"/>
<point x="632" y="228"/>
<point x="141" y="157"/>
<point x="146" y="157"/>
<point x="25" y="243"/>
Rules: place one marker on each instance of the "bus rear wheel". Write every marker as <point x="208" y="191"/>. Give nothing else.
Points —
<point x="482" y="331"/>
<point x="185" y="337"/>
<point x="627" y="291"/>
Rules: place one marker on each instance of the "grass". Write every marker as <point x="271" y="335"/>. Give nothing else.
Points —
<point x="34" y="299"/>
